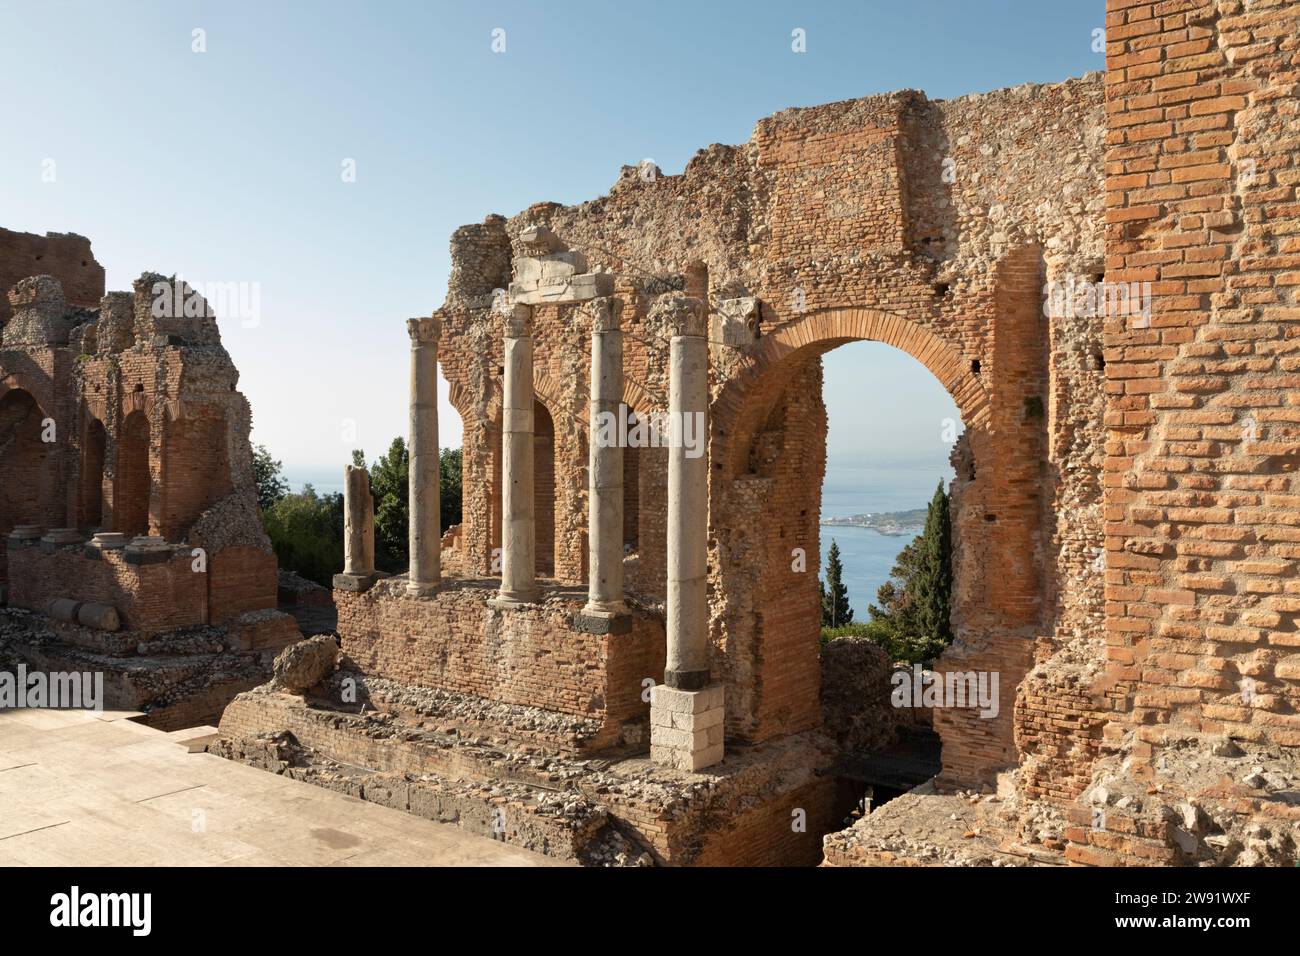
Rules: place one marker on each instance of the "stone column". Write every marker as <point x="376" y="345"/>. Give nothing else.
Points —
<point x="358" y="531"/>
<point x="425" y="573"/>
<point x="605" y="470"/>
<point x="686" y="711"/>
<point x="518" y="526"/>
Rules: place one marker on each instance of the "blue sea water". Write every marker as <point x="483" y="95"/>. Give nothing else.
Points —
<point x="867" y="555"/>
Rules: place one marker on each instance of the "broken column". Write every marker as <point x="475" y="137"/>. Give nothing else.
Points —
<point x="686" y="711"/>
<point x="358" y="531"/>
<point x="519" y="531"/>
<point x="605" y="471"/>
<point x="425" y="573"/>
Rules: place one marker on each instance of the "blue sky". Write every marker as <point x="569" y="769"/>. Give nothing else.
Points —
<point x="226" y="165"/>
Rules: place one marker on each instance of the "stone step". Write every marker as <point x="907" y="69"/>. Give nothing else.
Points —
<point x="561" y="823"/>
<point x="463" y="749"/>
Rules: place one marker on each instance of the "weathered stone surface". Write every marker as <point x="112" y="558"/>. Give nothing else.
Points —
<point x="305" y="664"/>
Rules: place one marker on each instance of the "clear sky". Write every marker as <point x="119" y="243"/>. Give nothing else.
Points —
<point x="227" y="165"/>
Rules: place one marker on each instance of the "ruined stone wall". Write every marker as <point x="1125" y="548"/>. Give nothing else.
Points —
<point x="931" y="226"/>
<point x="150" y="598"/>
<point x="531" y="657"/>
<point x="119" y="415"/>
<point x="1200" y="492"/>
<point x="67" y="257"/>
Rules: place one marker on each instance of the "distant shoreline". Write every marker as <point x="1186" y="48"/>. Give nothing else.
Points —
<point x="888" y="523"/>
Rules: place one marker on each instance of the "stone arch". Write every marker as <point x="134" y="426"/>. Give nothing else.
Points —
<point x="544" y="487"/>
<point x="94" y="448"/>
<point x="767" y="449"/>
<point x="747" y="397"/>
<point x="25" y="465"/>
<point x="132" y="485"/>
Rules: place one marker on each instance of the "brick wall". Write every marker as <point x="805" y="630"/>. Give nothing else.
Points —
<point x="1201" y="498"/>
<point x="148" y="597"/>
<point x="529" y="656"/>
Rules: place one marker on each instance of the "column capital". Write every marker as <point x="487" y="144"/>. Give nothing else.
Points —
<point x="683" y="315"/>
<point x="606" y="313"/>
<point x="519" y="322"/>
<point x="424" y="331"/>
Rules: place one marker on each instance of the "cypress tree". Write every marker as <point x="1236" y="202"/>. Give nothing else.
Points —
<point x="836" y="611"/>
<point x="931" y="581"/>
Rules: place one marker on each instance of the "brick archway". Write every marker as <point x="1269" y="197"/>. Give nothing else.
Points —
<point x="742" y="402"/>
<point x="767" y="448"/>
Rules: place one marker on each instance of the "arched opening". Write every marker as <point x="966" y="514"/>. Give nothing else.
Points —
<point x="93" y="444"/>
<point x="631" y="499"/>
<point x="131" y="489"/>
<point x="25" y="462"/>
<point x="768" y="458"/>
<point x="544" y="488"/>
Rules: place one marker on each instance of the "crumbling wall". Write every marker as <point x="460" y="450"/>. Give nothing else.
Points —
<point x="125" y="418"/>
<point x="928" y="225"/>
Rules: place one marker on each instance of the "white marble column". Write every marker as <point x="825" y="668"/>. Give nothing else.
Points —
<point x="686" y="711"/>
<point x="518" y="525"/>
<point x="605" y="471"/>
<point x="425" y="572"/>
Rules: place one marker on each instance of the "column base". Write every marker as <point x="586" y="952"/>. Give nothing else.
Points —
<point x="510" y="599"/>
<point x="424" y="589"/>
<point x="602" y="622"/>
<point x="686" y="727"/>
<point x="355" y="582"/>
<point x="686" y="680"/>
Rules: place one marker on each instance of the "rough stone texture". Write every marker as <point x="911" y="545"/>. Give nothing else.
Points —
<point x="1124" y="503"/>
<point x="119" y="420"/>
<point x="305" y="664"/>
<point x="831" y="224"/>
<point x="855" y="708"/>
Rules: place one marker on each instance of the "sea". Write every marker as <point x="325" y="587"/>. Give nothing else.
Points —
<point x="849" y="489"/>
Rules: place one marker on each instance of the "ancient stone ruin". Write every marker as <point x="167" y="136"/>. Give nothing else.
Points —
<point x="134" y="543"/>
<point x="616" y="659"/>
<point x="618" y="650"/>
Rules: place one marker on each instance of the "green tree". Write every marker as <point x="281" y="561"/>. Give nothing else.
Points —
<point x="268" y="474"/>
<point x="836" y="611"/>
<point x="390" y="478"/>
<point x="912" y="619"/>
<point x="931" y="583"/>
<point x="449" y="490"/>
<point x="306" y="530"/>
<point x="390" y="484"/>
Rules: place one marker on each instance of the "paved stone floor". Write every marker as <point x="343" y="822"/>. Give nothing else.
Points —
<point x="80" y="789"/>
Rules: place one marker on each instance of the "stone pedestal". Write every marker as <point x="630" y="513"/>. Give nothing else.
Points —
<point x="686" y="715"/>
<point x="104" y="541"/>
<point x="425" y="572"/>
<point x="605" y="471"/>
<point x="358" y="532"/>
<point x="61" y="538"/>
<point x="148" y="549"/>
<point x="518" y="524"/>
<point x="686" y="727"/>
